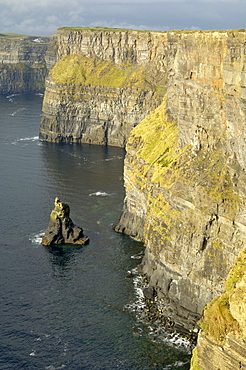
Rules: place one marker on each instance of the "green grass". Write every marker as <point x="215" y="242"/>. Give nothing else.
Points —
<point x="100" y="29"/>
<point x="236" y="272"/>
<point x="80" y="70"/>
<point x="217" y="320"/>
<point x="14" y="36"/>
<point x="108" y="29"/>
<point x="159" y="137"/>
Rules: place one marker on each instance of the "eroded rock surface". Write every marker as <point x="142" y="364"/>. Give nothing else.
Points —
<point x="185" y="175"/>
<point x="25" y="62"/>
<point x="103" y="110"/>
<point x="61" y="229"/>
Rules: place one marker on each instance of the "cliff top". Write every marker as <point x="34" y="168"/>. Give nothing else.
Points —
<point x="107" y="29"/>
<point x="28" y="38"/>
<point x="100" y="29"/>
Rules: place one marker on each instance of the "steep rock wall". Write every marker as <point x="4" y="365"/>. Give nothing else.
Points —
<point x="185" y="175"/>
<point x="24" y="63"/>
<point x="104" y="112"/>
<point x="92" y="114"/>
<point x="221" y="341"/>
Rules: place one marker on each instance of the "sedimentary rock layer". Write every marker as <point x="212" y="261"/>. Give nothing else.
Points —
<point x="221" y="341"/>
<point x="24" y="62"/>
<point x="185" y="174"/>
<point x="185" y="163"/>
<point x="92" y="114"/>
<point x="81" y="108"/>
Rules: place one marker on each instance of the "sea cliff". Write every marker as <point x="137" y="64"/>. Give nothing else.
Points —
<point x="25" y="62"/>
<point x="185" y="175"/>
<point x="178" y="102"/>
<point x="221" y="340"/>
<point x="104" y="83"/>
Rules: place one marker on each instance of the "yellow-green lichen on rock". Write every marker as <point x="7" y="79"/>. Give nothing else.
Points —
<point x="223" y="325"/>
<point x="80" y="70"/>
<point x="156" y="140"/>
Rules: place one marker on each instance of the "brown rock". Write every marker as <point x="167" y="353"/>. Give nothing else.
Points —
<point x="61" y="229"/>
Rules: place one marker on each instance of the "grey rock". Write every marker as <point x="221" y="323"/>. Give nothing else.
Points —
<point x="61" y="229"/>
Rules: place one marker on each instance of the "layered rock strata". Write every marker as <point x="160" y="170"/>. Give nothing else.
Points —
<point x="185" y="175"/>
<point x="61" y="229"/>
<point x="24" y="62"/>
<point x="92" y="114"/>
<point x="102" y="104"/>
<point x="221" y="341"/>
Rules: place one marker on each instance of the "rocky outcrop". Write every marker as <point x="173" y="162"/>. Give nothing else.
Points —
<point x="104" y="83"/>
<point x="185" y="175"/>
<point x="24" y="62"/>
<point x="185" y="164"/>
<point x="221" y="341"/>
<point x="93" y="114"/>
<point x="61" y="229"/>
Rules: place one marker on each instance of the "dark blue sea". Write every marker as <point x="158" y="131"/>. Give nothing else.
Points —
<point x="68" y="307"/>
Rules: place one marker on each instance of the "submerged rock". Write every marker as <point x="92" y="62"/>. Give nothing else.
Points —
<point x="61" y="229"/>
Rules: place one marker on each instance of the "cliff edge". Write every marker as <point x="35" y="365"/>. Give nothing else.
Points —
<point x="185" y="175"/>
<point x="104" y="83"/>
<point x="25" y="62"/>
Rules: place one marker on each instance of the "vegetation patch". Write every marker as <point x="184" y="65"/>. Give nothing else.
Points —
<point x="236" y="272"/>
<point x="15" y="36"/>
<point x="100" y="29"/>
<point x="80" y="70"/>
<point x="194" y="365"/>
<point x="217" y="320"/>
<point x="158" y="138"/>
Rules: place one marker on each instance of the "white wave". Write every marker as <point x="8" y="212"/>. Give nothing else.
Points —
<point x="11" y="96"/>
<point x="112" y="159"/>
<point x="36" y="238"/>
<point x="137" y="256"/>
<point x="51" y="367"/>
<point x="33" y="138"/>
<point x="100" y="194"/>
<point x="17" y="111"/>
<point x="155" y="331"/>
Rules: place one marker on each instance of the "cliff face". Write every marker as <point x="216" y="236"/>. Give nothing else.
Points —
<point x="24" y="63"/>
<point x="185" y="175"/>
<point x="185" y="164"/>
<point x="221" y="341"/>
<point x="102" y="108"/>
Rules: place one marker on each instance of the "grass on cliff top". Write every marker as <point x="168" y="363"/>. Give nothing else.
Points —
<point x="15" y="36"/>
<point x="99" y="29"/>
<point x="80" y="70"/>
<point x="158" y="138"/>
<point x="107" y="29"/>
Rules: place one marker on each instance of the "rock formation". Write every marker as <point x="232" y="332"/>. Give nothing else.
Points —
<point x="25" y="62"/>
<point x="185" y="165"/>
<point x="104" y="83"/>
<point x="221" y="340"/>
<point x="185" y="175"/>
<point x="61" y="229"/>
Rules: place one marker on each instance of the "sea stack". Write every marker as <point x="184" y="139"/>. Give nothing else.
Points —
<point x="61" y="229"/>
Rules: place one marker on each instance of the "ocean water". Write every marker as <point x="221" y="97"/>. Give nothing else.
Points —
<point x="67" y="307"/>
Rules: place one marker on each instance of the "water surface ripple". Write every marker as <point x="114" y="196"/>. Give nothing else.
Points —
<point x="63" y="308"/>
